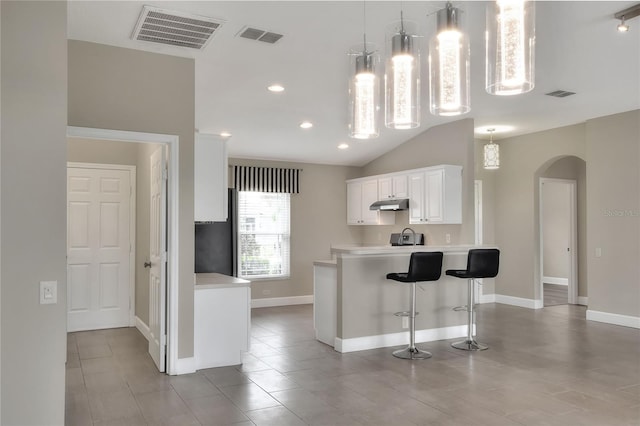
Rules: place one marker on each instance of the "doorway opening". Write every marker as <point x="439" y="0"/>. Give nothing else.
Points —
<point x="558" y="241"/>
<point x="163" y="338"/>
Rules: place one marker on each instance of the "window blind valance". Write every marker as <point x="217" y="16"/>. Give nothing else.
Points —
<point x="266" y="179"/>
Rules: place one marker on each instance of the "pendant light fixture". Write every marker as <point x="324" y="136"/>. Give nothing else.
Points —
<point x="364" y="92"/>
<point x="510" y="47"/>
<point x="491" y="153"/>
<point x="402" y="77"/>
<point x="449" y="65"/>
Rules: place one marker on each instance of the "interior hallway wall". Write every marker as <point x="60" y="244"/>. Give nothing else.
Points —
<point x="318" y="219"/>
<point x="517" y="208"/>
<point x="124" y="89"/>
<point x="33" y="217"/>
<point x="613" y="214"/>
<point x="132" y="154"/>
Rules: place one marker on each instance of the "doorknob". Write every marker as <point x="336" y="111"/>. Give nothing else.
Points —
<point x="147" y="264"/>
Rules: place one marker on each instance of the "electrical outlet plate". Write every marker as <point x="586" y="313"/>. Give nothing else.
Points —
<point x="48" y="292"/>
<point x="405" y="322"/>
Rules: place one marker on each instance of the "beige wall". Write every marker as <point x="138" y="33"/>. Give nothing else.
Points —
<point x="124" y="89"/>
<point x="613" y="213"/>
<point x="33" y="177"/>
<point x="318" y="219"/>
<point x="516" y="204"/>
<point x="132" y="154"/>
<point x="576" y="169"/>
<point x="450" y="143"/>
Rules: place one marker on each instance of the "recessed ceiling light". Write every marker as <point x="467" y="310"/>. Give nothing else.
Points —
<point x="276" y="88"/>
<point x="306" y="125"/>
<point x="225" y="134"/>
<point x="343" y="146"/>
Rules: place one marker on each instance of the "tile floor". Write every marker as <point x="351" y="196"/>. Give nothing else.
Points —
<point x="544" y="367"/>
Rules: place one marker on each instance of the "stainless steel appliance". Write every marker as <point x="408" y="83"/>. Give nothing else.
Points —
<point x="406" y="239"/>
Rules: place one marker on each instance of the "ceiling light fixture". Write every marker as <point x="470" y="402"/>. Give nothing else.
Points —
<point x="491" y="153"/>
<point x="343" y="146"/>
<point x="510" y="47"/>
<point x="625" y="15"/>
<point x="449" y="65"/>
<point x="364" y="91"/>
<point x="225" y="134"/>
<point x="306" y="125"/>
<point x="276" y="88"/>
<point x="402" y="78"/>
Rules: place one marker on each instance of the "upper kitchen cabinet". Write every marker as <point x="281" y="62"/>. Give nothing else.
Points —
<point x="360" y="195"/>
<point x="435" y="195"/>
<point x="210" y="178"/>
<point x="393" y="187"/>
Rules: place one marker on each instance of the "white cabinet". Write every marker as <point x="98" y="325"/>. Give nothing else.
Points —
<point x="360" y="195"/>
<point x="210" y="178"/>
<point x="393" y="187"/>
<point x="435" y="195"/>
<point x="222" y="320"/>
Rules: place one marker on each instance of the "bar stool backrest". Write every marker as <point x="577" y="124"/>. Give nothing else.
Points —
<point x="483" y="263"/>
<point x="425" y="266"/>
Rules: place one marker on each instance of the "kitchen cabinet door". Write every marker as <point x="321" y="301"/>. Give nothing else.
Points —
<point x="210" y="178"/>
<point x="360" y="195"/>
<point x="416" y="198"/>
<point x="434" y="193"/>
<point x="400" y="188"/>
<point x="392" y="187"/>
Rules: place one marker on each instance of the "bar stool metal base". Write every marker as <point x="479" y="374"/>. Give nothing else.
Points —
<point x="411" y="353"/>
<point x="469" y="345"/>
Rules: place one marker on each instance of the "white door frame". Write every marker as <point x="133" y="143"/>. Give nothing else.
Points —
<point x="478" y="236"/>
<point x="172" y="141"/>
<point x="132" y="226"/>
<point x="573" y="238"/>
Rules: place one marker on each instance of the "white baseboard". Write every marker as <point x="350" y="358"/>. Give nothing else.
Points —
<point x="617" y="319"/>
<point x="555" y="280"/>
<point x="184" y="366"/>
<point x="583" y="301"/>
<point x="281" y="301"/>
<point x="487" y="298"/>
<point x="519" y="301"/>
<point x="143" y="328"/>
<point x="396" y="339"/>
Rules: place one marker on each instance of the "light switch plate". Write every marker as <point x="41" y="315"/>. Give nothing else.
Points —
<point x="48" y="292"/>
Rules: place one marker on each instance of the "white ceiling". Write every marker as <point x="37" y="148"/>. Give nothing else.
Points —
<point x="577" y="49"/>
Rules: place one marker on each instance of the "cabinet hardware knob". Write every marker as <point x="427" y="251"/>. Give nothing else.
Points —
<point x="147" y="264"/>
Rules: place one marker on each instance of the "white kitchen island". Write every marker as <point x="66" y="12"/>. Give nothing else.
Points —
<point x="354" y="303"/>
<point x="222" y="310"/>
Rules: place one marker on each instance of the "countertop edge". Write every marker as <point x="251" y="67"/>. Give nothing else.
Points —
<point x="381" y="250"/>
<point x="204" y="281"/>
<point x="330" y="262"/>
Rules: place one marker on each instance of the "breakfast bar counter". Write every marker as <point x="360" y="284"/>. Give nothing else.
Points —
<point x="354" y="303"/>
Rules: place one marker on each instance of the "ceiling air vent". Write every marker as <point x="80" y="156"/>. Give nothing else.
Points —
<point x="175" y="28"/>
<point x="259" y="35"/>
<point x="560" y="93"/>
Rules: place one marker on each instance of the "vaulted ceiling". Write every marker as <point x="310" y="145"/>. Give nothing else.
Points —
<point x="578" y="49"/>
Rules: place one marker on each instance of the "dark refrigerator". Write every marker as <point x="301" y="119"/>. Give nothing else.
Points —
<point x="216" y="243"/>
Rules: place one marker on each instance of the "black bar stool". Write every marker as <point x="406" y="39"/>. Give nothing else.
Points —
<point x="423" y="266"/>
<point x="481" y="263"/>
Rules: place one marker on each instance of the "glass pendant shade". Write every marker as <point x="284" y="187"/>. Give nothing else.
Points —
<point x="491" y="156"/>
<point x="402" y="79"/>
<point x="364" y="96"/>
<point x="449" y="65"/>
<point x="510" y="47"/>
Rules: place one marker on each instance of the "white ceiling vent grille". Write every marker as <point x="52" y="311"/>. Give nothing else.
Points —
<point x="259" y="35"/>
<point x="560" y="93"/>
<point x="175" y="28"/>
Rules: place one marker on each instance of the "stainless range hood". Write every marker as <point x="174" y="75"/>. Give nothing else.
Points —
<point x="392" y="205"/>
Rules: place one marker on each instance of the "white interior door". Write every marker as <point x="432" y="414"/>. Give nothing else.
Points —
<point x="98" y="248"/>
<point x="158" y="260"/>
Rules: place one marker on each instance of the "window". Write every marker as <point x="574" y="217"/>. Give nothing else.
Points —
<point x="263" y="234"/>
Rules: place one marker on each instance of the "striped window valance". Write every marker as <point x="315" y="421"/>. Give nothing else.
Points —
<point x="266" y="179"/>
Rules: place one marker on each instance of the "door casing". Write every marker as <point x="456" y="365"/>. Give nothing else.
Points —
<point x="174" y="366"/>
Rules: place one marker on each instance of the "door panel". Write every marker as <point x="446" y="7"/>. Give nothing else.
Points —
<point x="158" y="260"/>
<point x="98" y="248"/>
